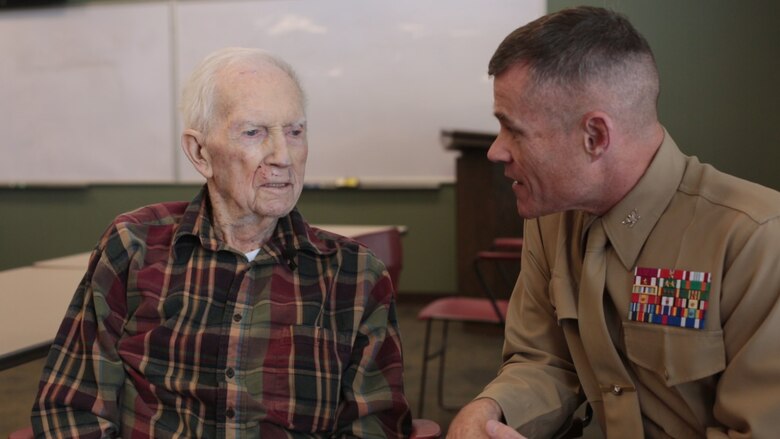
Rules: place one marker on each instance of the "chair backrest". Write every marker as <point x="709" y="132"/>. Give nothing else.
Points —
<point x="24" y="433"/>
<point x="386" y="245"/>
<point x="496" y="258"/>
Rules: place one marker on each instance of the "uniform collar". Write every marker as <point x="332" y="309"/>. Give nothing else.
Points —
<point x="629" y="223"/>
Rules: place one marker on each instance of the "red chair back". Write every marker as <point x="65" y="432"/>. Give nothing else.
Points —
<point x="24" y="433"/>
<point x="386" y="245"/>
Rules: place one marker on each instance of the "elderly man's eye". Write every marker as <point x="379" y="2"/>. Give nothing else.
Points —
<point x="254" y="131"/>
<point x="295" y="131"/>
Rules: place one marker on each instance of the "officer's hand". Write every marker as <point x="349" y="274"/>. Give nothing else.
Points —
<point x="473" y="417"/>
<point x="497" y="430"/>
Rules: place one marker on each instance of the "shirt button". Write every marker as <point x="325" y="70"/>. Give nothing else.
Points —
<point x="230" y="413"/>
<point x="230" y="373"/>
<point x="616" y="389"/>
<point x="237" y="318"/>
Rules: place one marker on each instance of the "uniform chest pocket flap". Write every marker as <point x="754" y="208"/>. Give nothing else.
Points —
<point x="678" y="355"/>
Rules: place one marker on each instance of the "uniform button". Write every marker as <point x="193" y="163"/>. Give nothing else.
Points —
<point x="237" y="318"/>
<point x="230" y="373"/>
<point x="230" y="413"/>
<point x="616" y="389"/>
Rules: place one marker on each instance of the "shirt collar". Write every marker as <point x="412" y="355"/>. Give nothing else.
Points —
<point x="629" y="223"/>
<point x="291" y="231"/>
<point x="294" y="230"/>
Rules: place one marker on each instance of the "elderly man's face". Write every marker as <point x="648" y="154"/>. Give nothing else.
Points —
<point x="257" y="144"/>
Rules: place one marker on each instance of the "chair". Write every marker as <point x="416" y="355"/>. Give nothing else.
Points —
<point x="425" y="429"/>
<point x="386" y="245"/>
<point x="24" y="433"/>
<point x="508" y="242"/>
<point x="488" y="309"/>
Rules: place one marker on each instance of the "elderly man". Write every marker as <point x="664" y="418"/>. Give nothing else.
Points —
<point x="229" y="316"/>
<point x="649" y="280"/>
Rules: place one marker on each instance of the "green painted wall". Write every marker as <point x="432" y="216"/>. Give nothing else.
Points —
<point x="719" y="62"/>
<point x="40" y="223"/>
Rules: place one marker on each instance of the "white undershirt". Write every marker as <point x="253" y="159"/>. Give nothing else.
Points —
<point x="251" y="255"/>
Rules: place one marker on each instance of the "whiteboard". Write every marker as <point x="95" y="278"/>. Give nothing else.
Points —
<point x="85" y="94"/>
<point x="90" y="92"/>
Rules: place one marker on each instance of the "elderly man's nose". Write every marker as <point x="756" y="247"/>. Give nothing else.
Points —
<point x="280" y="152"/>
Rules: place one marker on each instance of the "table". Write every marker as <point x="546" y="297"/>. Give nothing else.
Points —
<point x="34" y="303"/>
<point x="35" y="298"/>
<point x="76" y="262"/>
<point x="354" y="231"/>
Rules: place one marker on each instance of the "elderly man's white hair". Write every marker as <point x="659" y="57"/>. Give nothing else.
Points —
<point x="198" y="94"/>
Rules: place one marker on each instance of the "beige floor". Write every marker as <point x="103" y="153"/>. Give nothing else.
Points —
<point x="473" y="356"/>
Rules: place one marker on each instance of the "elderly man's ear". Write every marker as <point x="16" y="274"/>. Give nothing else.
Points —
<point x="192" y="143"/>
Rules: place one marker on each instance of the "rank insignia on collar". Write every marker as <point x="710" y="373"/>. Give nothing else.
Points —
<point x="631" y="219"/>
<point x="670" y="297"/>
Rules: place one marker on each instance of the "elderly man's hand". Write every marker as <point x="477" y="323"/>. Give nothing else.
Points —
<point x="472" y="422"/>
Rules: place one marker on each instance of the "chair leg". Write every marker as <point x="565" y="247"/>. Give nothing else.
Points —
<point x="424" y="371"/>
<point x="441" y="353"/>
<point x="442" y="361"/>
<point x="507" y="279"/>
<point x="486" y="289"/>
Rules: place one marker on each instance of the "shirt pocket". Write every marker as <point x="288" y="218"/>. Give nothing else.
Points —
<point x="300" y="381"/>
<point x="675" y="355"/>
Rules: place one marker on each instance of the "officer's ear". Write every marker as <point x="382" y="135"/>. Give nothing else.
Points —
<point x="193" y="145"/>
<point x="596" y="130"/>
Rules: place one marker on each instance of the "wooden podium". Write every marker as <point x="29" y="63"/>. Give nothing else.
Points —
<point x="485" y="206"/>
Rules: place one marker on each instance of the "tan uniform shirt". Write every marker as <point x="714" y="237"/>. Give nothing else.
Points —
<point x="719" y="380"/>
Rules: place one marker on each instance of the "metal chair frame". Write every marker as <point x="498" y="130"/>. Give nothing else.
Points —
<point x="488" y="309"/>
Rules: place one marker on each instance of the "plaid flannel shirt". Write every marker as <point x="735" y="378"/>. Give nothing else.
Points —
<point x="173" y="334"/>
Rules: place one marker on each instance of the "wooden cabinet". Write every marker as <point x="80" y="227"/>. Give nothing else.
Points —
<point x="485" y="206"/>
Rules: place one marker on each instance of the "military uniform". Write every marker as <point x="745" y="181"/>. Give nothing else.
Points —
<point x="688" y="345"/>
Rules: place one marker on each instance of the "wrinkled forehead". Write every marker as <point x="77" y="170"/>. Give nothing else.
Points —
<point x="258" y="80"/>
